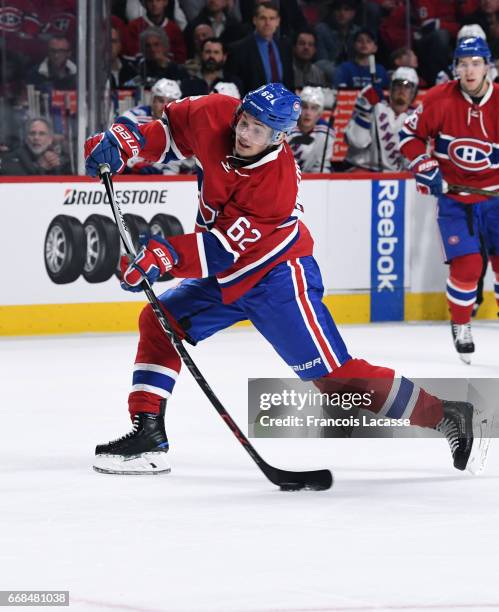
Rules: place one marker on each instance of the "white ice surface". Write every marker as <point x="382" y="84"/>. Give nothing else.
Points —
<point x="400" y="529"/>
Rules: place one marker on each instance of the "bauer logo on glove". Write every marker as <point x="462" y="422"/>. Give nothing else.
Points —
<point x="155" y="258"/>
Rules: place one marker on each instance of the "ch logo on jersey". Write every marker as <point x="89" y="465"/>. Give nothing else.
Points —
<point x="10" y="19"/>
<point x="470" y="154"/>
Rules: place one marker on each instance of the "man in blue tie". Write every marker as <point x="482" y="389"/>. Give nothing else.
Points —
<point x="262" y="57"/>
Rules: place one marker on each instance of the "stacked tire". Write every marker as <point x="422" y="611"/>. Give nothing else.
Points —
<point x="92" y="249"/>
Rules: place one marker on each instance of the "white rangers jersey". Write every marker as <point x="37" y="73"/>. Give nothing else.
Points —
<point x="308" y="149"/>
<point x="373" y="131"/>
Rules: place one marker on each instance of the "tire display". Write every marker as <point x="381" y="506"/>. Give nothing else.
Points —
<point x="165" y="225"/>
<point x="103" y="248"/>
<point x="65" y="249"/>
<point x="93" y="248"/>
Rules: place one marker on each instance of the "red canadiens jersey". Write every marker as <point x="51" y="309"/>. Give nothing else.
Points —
<point x="466" y="136"/>
<point x="248" y="217"/>
<point x="19" y="26"/>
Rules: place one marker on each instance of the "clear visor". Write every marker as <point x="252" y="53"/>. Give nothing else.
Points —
<point x="252" y="132"/>
<point x="469" y="63"/>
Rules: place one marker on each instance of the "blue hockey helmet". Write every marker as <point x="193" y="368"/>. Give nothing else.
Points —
<point x="472" y="47"/>
<point x="275" y="106"/>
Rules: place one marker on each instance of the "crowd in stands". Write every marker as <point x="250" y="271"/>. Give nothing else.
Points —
<point x="161" y="50"/>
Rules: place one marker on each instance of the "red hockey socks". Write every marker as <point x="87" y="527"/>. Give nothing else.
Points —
<point x="395" y="398"/>
<point x="462" y="286"/>
<point x="157" y="365"/>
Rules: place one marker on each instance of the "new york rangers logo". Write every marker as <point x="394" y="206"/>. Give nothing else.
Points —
<point x="470" y="154"/>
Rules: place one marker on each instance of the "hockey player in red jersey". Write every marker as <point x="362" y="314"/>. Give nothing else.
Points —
<point x="462" y="117"/>
<point x="249" y="258"/>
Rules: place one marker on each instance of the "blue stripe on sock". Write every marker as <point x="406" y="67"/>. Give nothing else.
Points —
<point x="146" y="377"/>
<point x="461" y="295"/>
<point x="403" y="396"/>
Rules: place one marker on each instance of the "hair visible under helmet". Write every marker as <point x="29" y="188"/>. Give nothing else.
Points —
<point x="273" y="105"/>
<point x="166" y="88"/>
<point x="313" y="95"/>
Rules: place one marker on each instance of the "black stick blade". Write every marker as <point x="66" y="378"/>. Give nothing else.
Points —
<point x="315" y="480"/>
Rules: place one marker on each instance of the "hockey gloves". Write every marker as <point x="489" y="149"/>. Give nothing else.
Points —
<point x="156" y="257"/>
<point x="373" y="94"/>
<point x="115" y="147"/>
<point x="428" y="176"/>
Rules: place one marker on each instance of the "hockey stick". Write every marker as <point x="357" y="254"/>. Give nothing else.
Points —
<point x="316" y="480"/>
<point x="474" y="190"/>
<point x="329" y="126"/>
<point x="372" y="71"/>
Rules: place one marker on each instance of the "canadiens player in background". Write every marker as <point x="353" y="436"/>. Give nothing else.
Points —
<point x="462" y="117"/>
<point x="249" y="258"/>
<point x="372" y="133"/>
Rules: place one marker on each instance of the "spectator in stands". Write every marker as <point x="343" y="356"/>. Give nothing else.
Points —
<point x="135" y="9"/>
<point x="212" y="71"/>
<point x="406" y="58"/>
<point x="355" y="74"/>
<point x="372" y="132"/>
<point x="304" y="70"/>
<point x="216" y="14"/>
<point x="335" y="34"/>
<point x="122" y="69"/>
<point x="261" y="58"/>
<point x="58" y="18"/>
<point x="20" y="27"/>
<point x="487" y="16"/>
<point x="156" y="16"/>
<point x="155" y="63"/>
<point x="56" y="71"/>
<point x="312" y="139"/>
<point x="200" y="33"/>
<point x="36" y="155"/>
<point x="291" y="14"/>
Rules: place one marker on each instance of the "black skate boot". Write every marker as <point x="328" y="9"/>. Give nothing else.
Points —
<point x="468" y="431"/>
<point x="141" y="451"/>
<point x="463" y="340"/>
<point x="457" y="427"/>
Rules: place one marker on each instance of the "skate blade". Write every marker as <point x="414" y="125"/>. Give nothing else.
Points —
<point x="140" y="465"/>
<point x="483" y="422"/>
<point x="465" y="358"/>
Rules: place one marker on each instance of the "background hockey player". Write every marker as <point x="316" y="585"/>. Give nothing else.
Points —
<point x="163" y="92"/>
<point x="251" y="259"/>
<point x="372" y="133"/>
<point x="312" y="139"/>
<point x="462" y="117"/>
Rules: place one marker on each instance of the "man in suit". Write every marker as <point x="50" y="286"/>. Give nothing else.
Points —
<point x="261" y="58"/>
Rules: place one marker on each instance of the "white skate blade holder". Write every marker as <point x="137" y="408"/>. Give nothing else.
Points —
<point x="143" y="464"/>
<point x="484" y="415"/>
<point x="465" y="358"/>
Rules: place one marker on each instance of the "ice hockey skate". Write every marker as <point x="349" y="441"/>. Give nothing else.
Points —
<point x="463" y="341"/>
<point x="468" y="432"/>
<point x="141" y="451"/>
